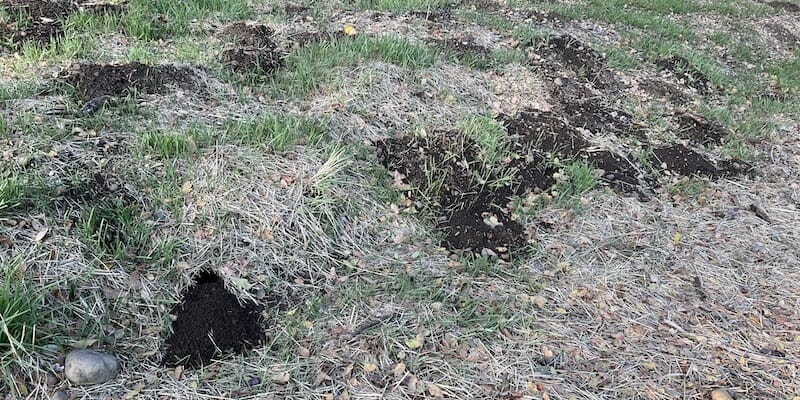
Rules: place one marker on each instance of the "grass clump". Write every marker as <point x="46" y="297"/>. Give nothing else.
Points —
<point x="404" y="5"/>
<point x="573" y="180"/>
<point x="310" y="68"/>
<point x="275" y="132"/>
<point x="19" y="318"/>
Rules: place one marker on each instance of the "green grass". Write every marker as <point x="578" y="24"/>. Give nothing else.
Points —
<point x="491" y="137"/>
<point x="168" y="145"/>
<point x="575" y="179"/>
<point x="112" y="228"/>
<point x="275" y="132"/>
<point x="310" y="68"/>
<point x="19" y="318"/>
<point x="404" y="5"/>
<point x="156" y="19"/>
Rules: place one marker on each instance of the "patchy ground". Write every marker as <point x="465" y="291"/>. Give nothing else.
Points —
<point x="404" y="199"/>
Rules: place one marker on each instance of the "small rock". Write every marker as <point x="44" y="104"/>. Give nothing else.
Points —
<point x="51" y="380"/>
<point x="89" y="367"/>
<point x="720" y="394"/>
<point x="59" y="395"/>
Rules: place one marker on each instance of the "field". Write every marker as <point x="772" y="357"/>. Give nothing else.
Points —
<point x="403" y="199"/>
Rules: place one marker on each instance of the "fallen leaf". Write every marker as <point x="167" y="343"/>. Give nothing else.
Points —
<point x="435" y="391"/>
<point x="41" y="235"/>
<point x="349" y="30"/>
<point x="720" y="394"/>
<point x="399" y="369"/>
<point x="676" y="239"/>
<point x="187" y="187"/>
<point x="6" y="241"/>
<point x="370" y="367"/>
<point x="539" y="301"/>
<point x="178" y="372"/>
<point x="281" y="378"/>
<point x="414" y="343"/>
<point x="303" y="352"/>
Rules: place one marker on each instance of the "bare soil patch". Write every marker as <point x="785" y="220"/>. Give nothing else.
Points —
<point x="252" y="49"/>
<point x="784" y="5"/>
<point x="210" y="319"/>
<point x="701" y="130"/>
<point x="686" y="73"/>
<point x="36" y="21"/>
<point x="92" y="81"/>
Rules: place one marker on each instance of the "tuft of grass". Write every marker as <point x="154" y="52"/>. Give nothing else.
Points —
<point x="573" y="180"/>
<point x="404" y="5"/>
<point x="116" y="229"/>
<point x="275" y="132"/>
<point x="19" y="317"/>
<point x="168" y="145"/>
<point x="310" y="68"/>
<point x="490" y="136"/>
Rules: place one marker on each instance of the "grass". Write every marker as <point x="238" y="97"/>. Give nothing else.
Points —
<point x="404" y="5"/>
<point x="311" y="68"/>
<point x="573" y="180"/>
<point x="361" y="299"/>
<point x="275" y="132"/>
<point x="20" y="317"/>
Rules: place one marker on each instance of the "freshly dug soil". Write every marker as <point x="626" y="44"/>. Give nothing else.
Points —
<point x="686" y="73"/>
<point x="36" y="21"/>
<point x="701" y="130"/>
<point x="252" y="49"/>
<point x="94" y="80"/>
<point x="211" y="318"/>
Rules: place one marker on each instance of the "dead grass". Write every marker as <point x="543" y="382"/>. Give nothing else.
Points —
<point x="619" y="298"/>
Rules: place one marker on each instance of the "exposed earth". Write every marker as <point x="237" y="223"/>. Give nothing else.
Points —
<point x="469" y="199"/>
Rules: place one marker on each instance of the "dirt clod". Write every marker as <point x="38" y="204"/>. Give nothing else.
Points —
<point x="36" y="21"/>
<point x="252" y="49"/>
<point x="211" y="318"/>
<point x="92" y="81"/>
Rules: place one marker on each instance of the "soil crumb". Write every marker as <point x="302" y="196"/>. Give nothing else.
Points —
<point x="211" y="318"/>
<point x="94" y="80"/>
<point x="252" y="49"/>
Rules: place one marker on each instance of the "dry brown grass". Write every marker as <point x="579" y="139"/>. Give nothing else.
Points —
<point x="665" y="299"/>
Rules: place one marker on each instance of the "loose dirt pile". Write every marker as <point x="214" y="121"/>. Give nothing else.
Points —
<point x="36" y="21"/>
<point x="251" y="49"/>
<point x="210" y="321"/>
<point x="91" y="81"/>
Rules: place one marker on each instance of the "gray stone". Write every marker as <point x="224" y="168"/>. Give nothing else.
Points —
<point x="59" y="395"/>
<point x="89" y="367"/>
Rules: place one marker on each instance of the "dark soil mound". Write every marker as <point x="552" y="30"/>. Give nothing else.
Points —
<point x="252" y="49"/>
<point x="566" y="52"/>
<point x="36" y="21"/>
<point x="211" y="318"/>
<point x="545" y="135"/>
<point x="784" y="5"/>
<point x="700" y="130"/>
<point x="599" y="119"/>
<point x="686" y="73"/>
<point x="95" y="80"/>
<point x="664" y="90"/>
<point x="682" y="160"/>
<point x="446" y="174"/>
